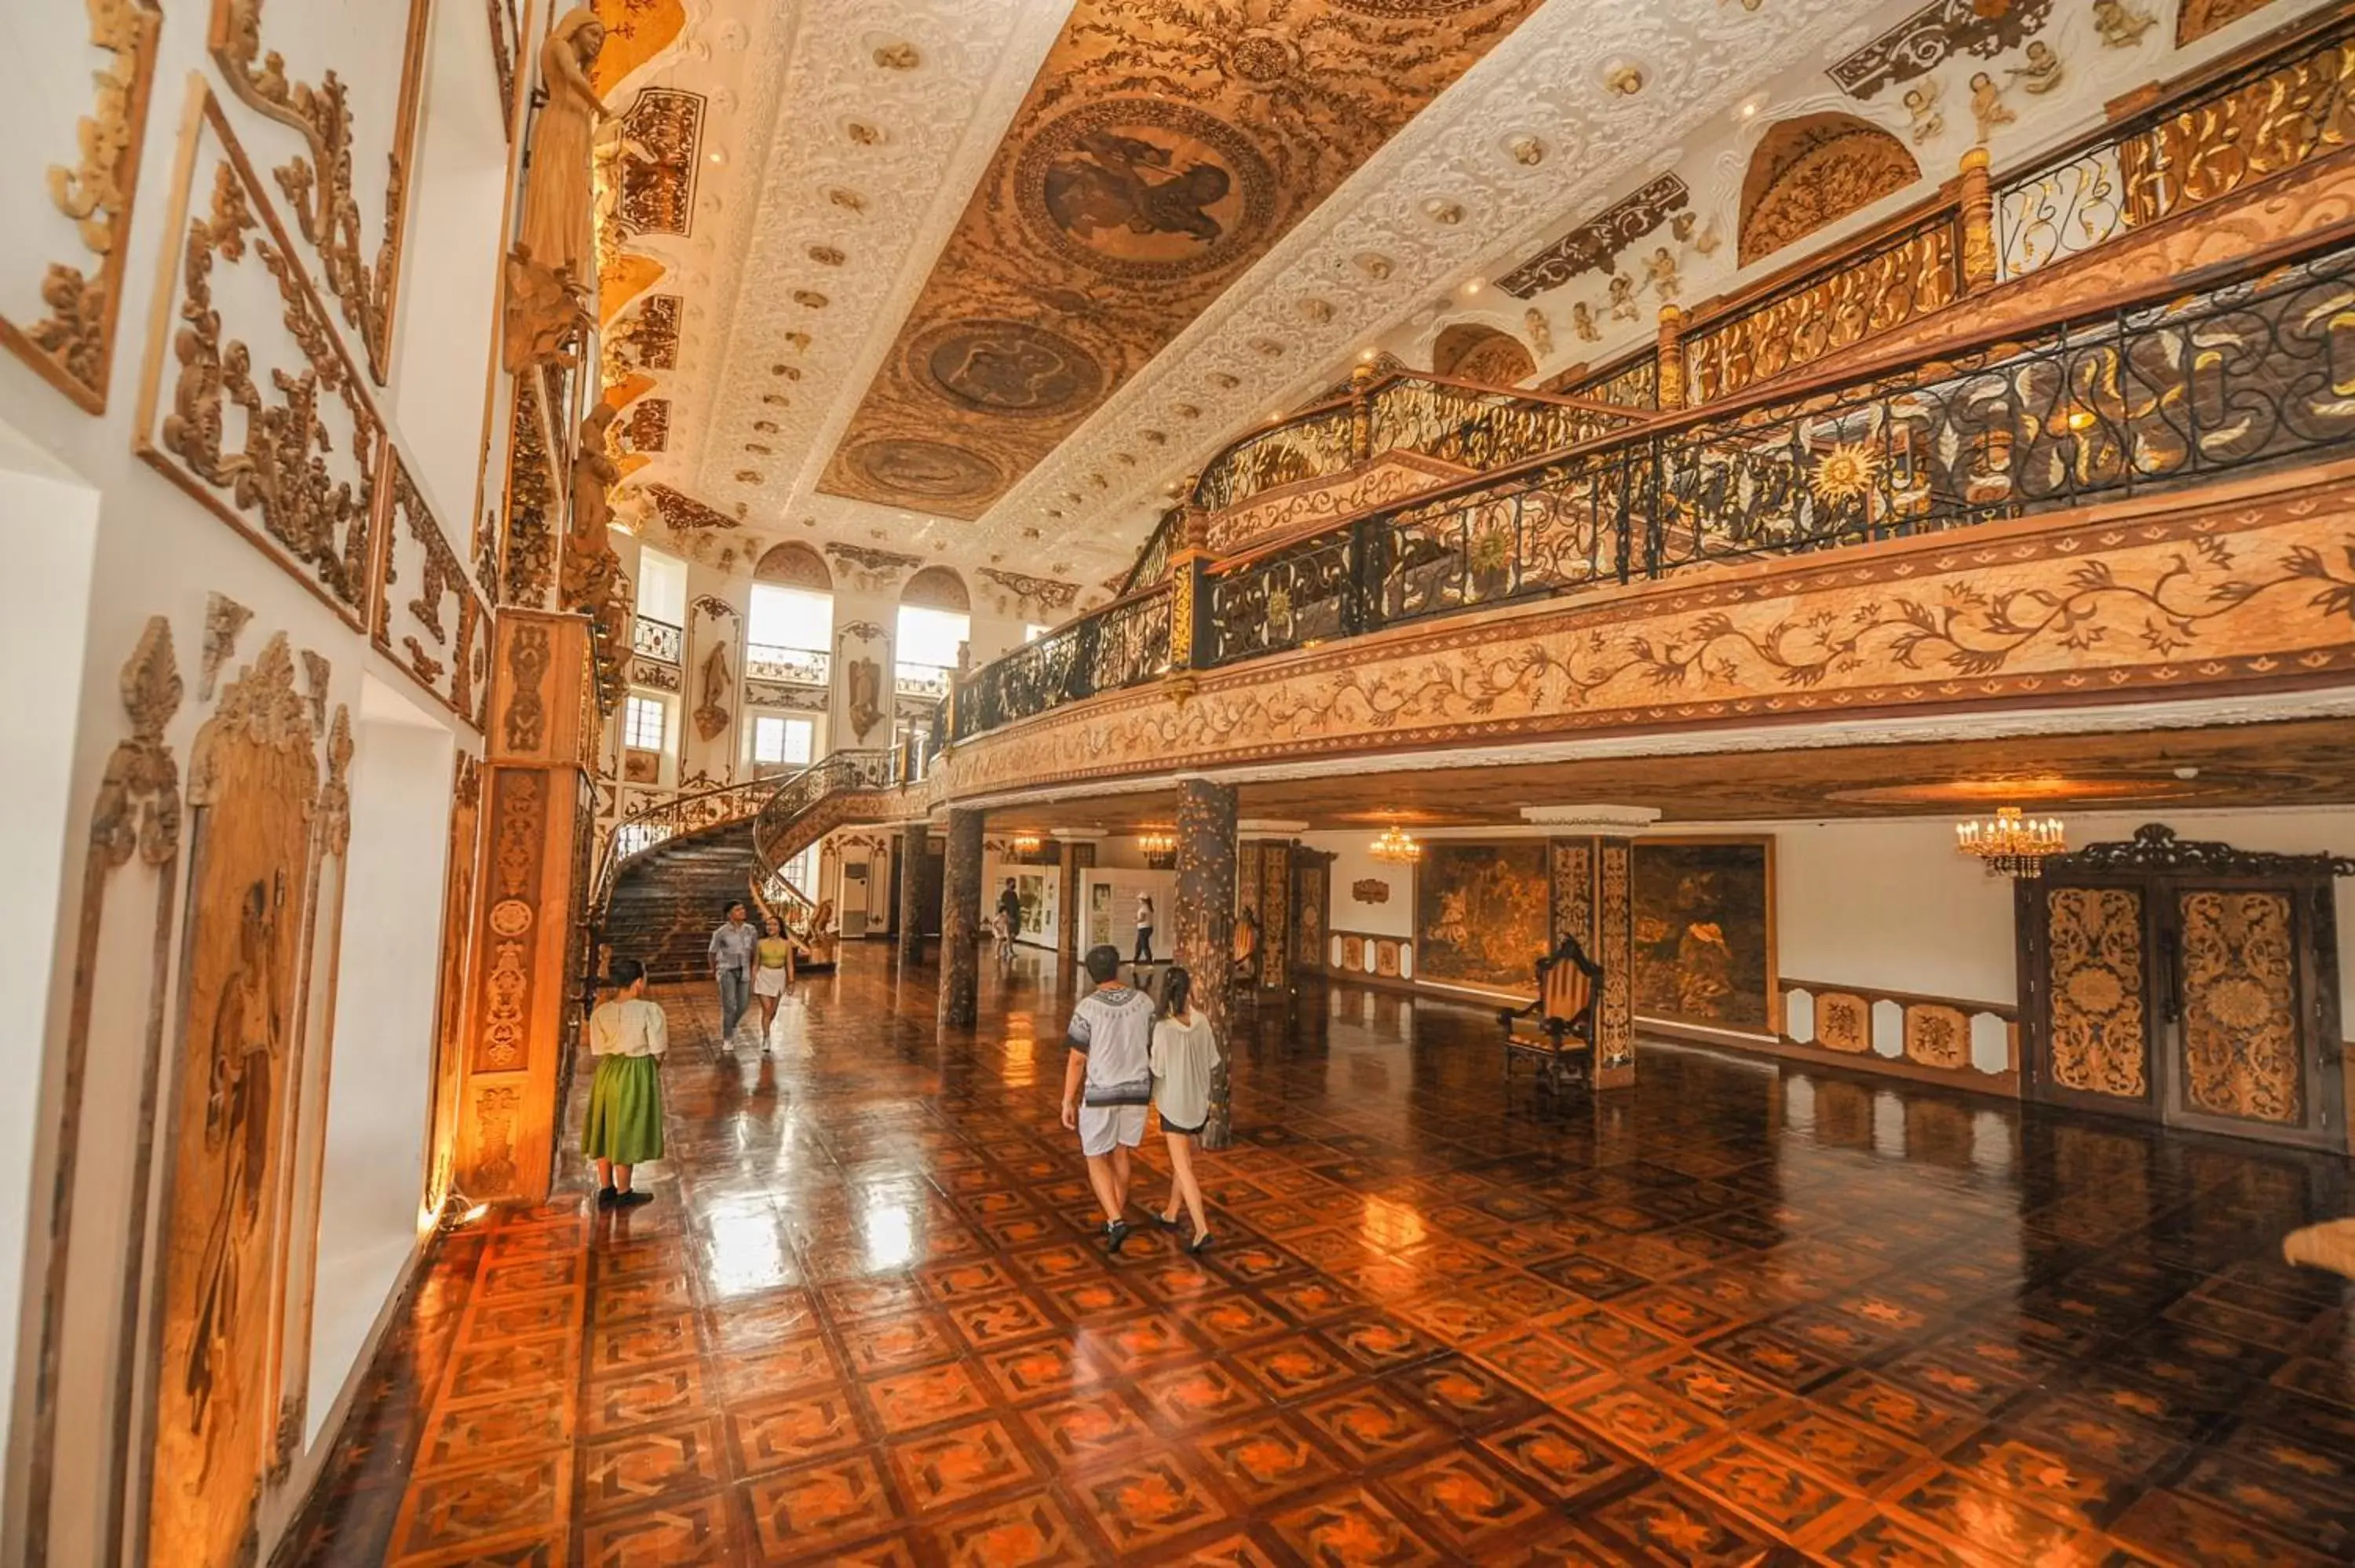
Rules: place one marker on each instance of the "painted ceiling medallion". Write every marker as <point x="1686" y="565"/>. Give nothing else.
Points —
<point x="1143" y="173"/>
<point x="929" y="471"/>
<point x="1012" y="369"/>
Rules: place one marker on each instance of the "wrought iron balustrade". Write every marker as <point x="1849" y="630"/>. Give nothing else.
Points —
<point x="2266" y="117"/>
<point x="2229" y="374"/>
<point x="675" y="812"/>
<point x="658" y="640"/>
<point x="796" y="666"/>
<point x="787" y="805"/>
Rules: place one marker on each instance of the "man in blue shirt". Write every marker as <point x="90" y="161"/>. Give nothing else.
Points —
<point x="731" y="963"/>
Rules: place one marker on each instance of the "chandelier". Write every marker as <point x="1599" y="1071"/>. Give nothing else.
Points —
<point x="2011" y="845"/>
<point x="1026" y="844"/>
<point x="1397" y="847"/>
<point x="1160" y="849"/>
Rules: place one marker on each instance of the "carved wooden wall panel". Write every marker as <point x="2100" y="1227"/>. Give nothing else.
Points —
<point x="2198" y="19"/>
<point x="253" y="786"/>
<point x="1937" y="1036"/>
<point x="2241" y="1050"/>
<point x="250" y="403"/>
<point x="1813" y="171"/>
<point x="336" y="124"/>
<point x="429" y="618"/>
<point x="1843" y="1023"/>
<point x="61" y="264"/>
<point x="2099" y="1031"/>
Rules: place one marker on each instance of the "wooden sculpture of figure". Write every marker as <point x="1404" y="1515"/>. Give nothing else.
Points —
<point x="711" y="717"/>
<point x="1987" y="106"/>
<point x="591" y="568"/>
<point x="558" y="198"/>
<point x="1922" y="104"/>
<point x="552" y="270"/>
<point x="1540" y="330"/>
<point x="2043" y="72"/>
<point x="2120" y="24"/>
<point x="1582" y="322"/>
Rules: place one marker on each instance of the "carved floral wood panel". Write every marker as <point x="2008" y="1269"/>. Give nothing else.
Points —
<point x="340" y="134"/>
<point x="251" y="404"/>
<point x="253" y="785"/>
<point x="429" y="618"/>
<point x="62" y="289"/>
<point x="2099" y="1031"/>
<point x="2243" y="1054"/>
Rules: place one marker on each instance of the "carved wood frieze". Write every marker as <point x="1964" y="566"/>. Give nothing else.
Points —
<point x="70" y="340"/>
<point x="528" y="571"/>
<point x="251" y="404"/>
<point x="1938" y="31"/>
<point x="682" y="513"/>
<point x="662" y="143"/>
<point x="1026" y="595"/>
<point x="330" y="184"/>
<point x="1593" y="245"/>
<point x="429" y="619"/>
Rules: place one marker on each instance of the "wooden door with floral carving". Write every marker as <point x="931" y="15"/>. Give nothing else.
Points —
<point x="2185" y="982"/>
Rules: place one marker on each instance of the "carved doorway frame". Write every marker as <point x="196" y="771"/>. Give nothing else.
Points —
<point x="2160" y="871"/>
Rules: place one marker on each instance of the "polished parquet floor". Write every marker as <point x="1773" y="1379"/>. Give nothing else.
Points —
<point x="1739" y="1314"/>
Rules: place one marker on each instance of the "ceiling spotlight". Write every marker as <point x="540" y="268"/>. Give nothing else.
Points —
<point x="1366" y="354"/>
<point x="2187" y="774"/>
<point x="1471" y="285"/>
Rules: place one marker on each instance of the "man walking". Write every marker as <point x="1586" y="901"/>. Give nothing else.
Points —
<point x="731" y="964"/>
<point x="1110" y="1037"/>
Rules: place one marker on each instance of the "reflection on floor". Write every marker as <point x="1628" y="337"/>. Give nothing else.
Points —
<point x="1738" y="1315"/>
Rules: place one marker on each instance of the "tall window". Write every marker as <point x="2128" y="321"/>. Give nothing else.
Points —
<point x="662" y="587"/>
<point x="1032" y="633"/>
<point x="782" y="741"/>
<point x="641" y="724"/>
<point x="791" y="618"/>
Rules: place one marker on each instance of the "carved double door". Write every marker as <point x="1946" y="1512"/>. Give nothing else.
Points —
<point x="2187" y="983"/>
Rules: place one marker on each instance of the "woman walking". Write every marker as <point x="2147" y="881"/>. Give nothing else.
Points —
<point x="772" y="974"/>
<point x="1184" y="1052"/>
<point x="628" y="1037"/>
<point x="1144" y="930"/>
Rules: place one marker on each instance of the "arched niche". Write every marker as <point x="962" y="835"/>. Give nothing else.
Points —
<point x="937" y="587"/>
<point x="1814" y="171"/>
<point x="1490" y="356"/>
<point x="794" y="564"/>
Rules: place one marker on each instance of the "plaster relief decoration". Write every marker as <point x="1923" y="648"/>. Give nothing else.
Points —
<point x="552" y="270"/>
<point x="861" y="653"/>
<point x="253" y="783"/>
<point x="254" y="409"/>
<point x="348" y="185"/>
<point x="1705" y="933"/>
<point x="530" y="571"/>
<point x="430" y="619"/>
<point x="1129" y="173"/>
<point x="1470" y="352"/>
<point x="1042" y="599"/>
<point x="716" y="683"/>
<point x="2195" y="19"/>
<point x="1938" y="31"/>
<point x="1813" y="171"/>
<point x="224" y="619"/>
<point x="62" y="263"/>
<point x="865" y="570"/>
<point x="684" y="514"/>
<point x="662" y="136"/>
<point x="136" y="814"/>
<point x="1481" y="919"/>
<point x="1593" y="245"/>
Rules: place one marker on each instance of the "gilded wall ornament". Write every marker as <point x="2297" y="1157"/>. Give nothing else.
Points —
<point x="529" y="568"/>
<point x="73" y="347"/>
<point x="432" y="621"/>
<point x="2121" y="23"/>
<point x="320" y="186"/>
<point x="300" y="478"/>
<point x="1812" y="170"/>
<point x="224" y="619"/>
<point x="1924" y="40"/>
<point x="662" y="144"/>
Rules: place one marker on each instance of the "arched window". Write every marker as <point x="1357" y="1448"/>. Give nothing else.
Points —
<point x="1470" y="352"/>
<point x="1813" y="171"/>
<point x="935" y="622"/>
<point x="792" y="629"/>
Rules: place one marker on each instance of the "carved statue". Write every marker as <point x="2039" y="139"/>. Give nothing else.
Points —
<point x="718" y="688"/>
<point x="1987" y="106"/>
<point x="556" y="197"/>
<point x="591" y="570"/>
<point x="1582" y="322"/>
<point x="552" y="270"/>
<point x="2042" y="74"/>
<point x="1540" y="330"/>
<point x="1662" y="270"/>
<point x="866" y="708"/>
<point x="1922" y="104"/>
<point x="1623" y="297"/>
<point x="2121" y="24"/>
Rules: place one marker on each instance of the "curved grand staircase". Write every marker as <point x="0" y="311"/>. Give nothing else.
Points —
<point x="667" y="898"/>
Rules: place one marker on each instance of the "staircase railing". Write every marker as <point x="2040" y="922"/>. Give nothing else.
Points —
<point x="672" y="817"/>
<point x="808" y="806"/>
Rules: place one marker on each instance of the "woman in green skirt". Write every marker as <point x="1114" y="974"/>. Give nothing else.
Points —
<point x="628" y="1037"/>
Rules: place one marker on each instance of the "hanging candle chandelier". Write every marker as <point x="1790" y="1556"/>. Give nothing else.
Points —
<point x="1396" y="847"/>
<point x="1026" y="844"/>
<point x="2011" y="844"/>
<point x="1160" y="849"/>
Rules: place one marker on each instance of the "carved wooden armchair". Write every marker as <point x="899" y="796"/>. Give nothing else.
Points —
<point x="1242" y="958"/>
<point x="1557" y="1030"/>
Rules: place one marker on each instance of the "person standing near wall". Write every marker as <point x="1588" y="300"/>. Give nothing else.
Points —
<point x="732" y="965"/>
<point x="1144" y="928"/>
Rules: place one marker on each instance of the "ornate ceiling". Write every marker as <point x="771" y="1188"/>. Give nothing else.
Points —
<point x="978" y="280"/>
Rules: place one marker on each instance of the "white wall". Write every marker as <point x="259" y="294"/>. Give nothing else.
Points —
<point x="1125" y="885"/>
<point x="380" y="1078"/>
<point x="1354" y="863"/>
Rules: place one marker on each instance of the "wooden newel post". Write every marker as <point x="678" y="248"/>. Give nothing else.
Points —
<point x="1361" y="414"/>
<point x="1975" y="200"/>
<point x="1672" y="357"/>
<point x="1190" y="553"/>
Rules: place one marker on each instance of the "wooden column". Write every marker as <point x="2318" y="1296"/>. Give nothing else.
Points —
<point x="1975" y="200"/>
<point x="1593" y="900"/>
<point x="1204" y="926"/>
<point x="1672" y="358"/>
<point x="1078" y="856"/>
<point x="536" y="808"/>
<point x="961" y="922"/>
<point x="912" y="851"/>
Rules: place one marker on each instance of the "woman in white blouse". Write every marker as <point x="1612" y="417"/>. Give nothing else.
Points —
<point x="628" y="1035"/>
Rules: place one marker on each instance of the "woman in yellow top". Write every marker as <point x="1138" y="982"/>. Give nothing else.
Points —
<point x="773" y="972"/>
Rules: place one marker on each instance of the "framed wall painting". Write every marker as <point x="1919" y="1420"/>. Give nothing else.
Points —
<point x="1705" y="934"/>
<point x="1481" y="914"/>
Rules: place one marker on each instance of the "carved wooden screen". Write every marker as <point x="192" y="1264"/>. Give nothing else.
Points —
<point x="2190" y="983"/>
<point x="1313" y="879"/>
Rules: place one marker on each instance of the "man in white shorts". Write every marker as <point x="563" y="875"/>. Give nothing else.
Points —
<point x="1110" y="1037"/>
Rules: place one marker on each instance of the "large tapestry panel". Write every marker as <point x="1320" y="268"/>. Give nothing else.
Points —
<point x="1705" y="932"/>
<point x="1481" y="915"/>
